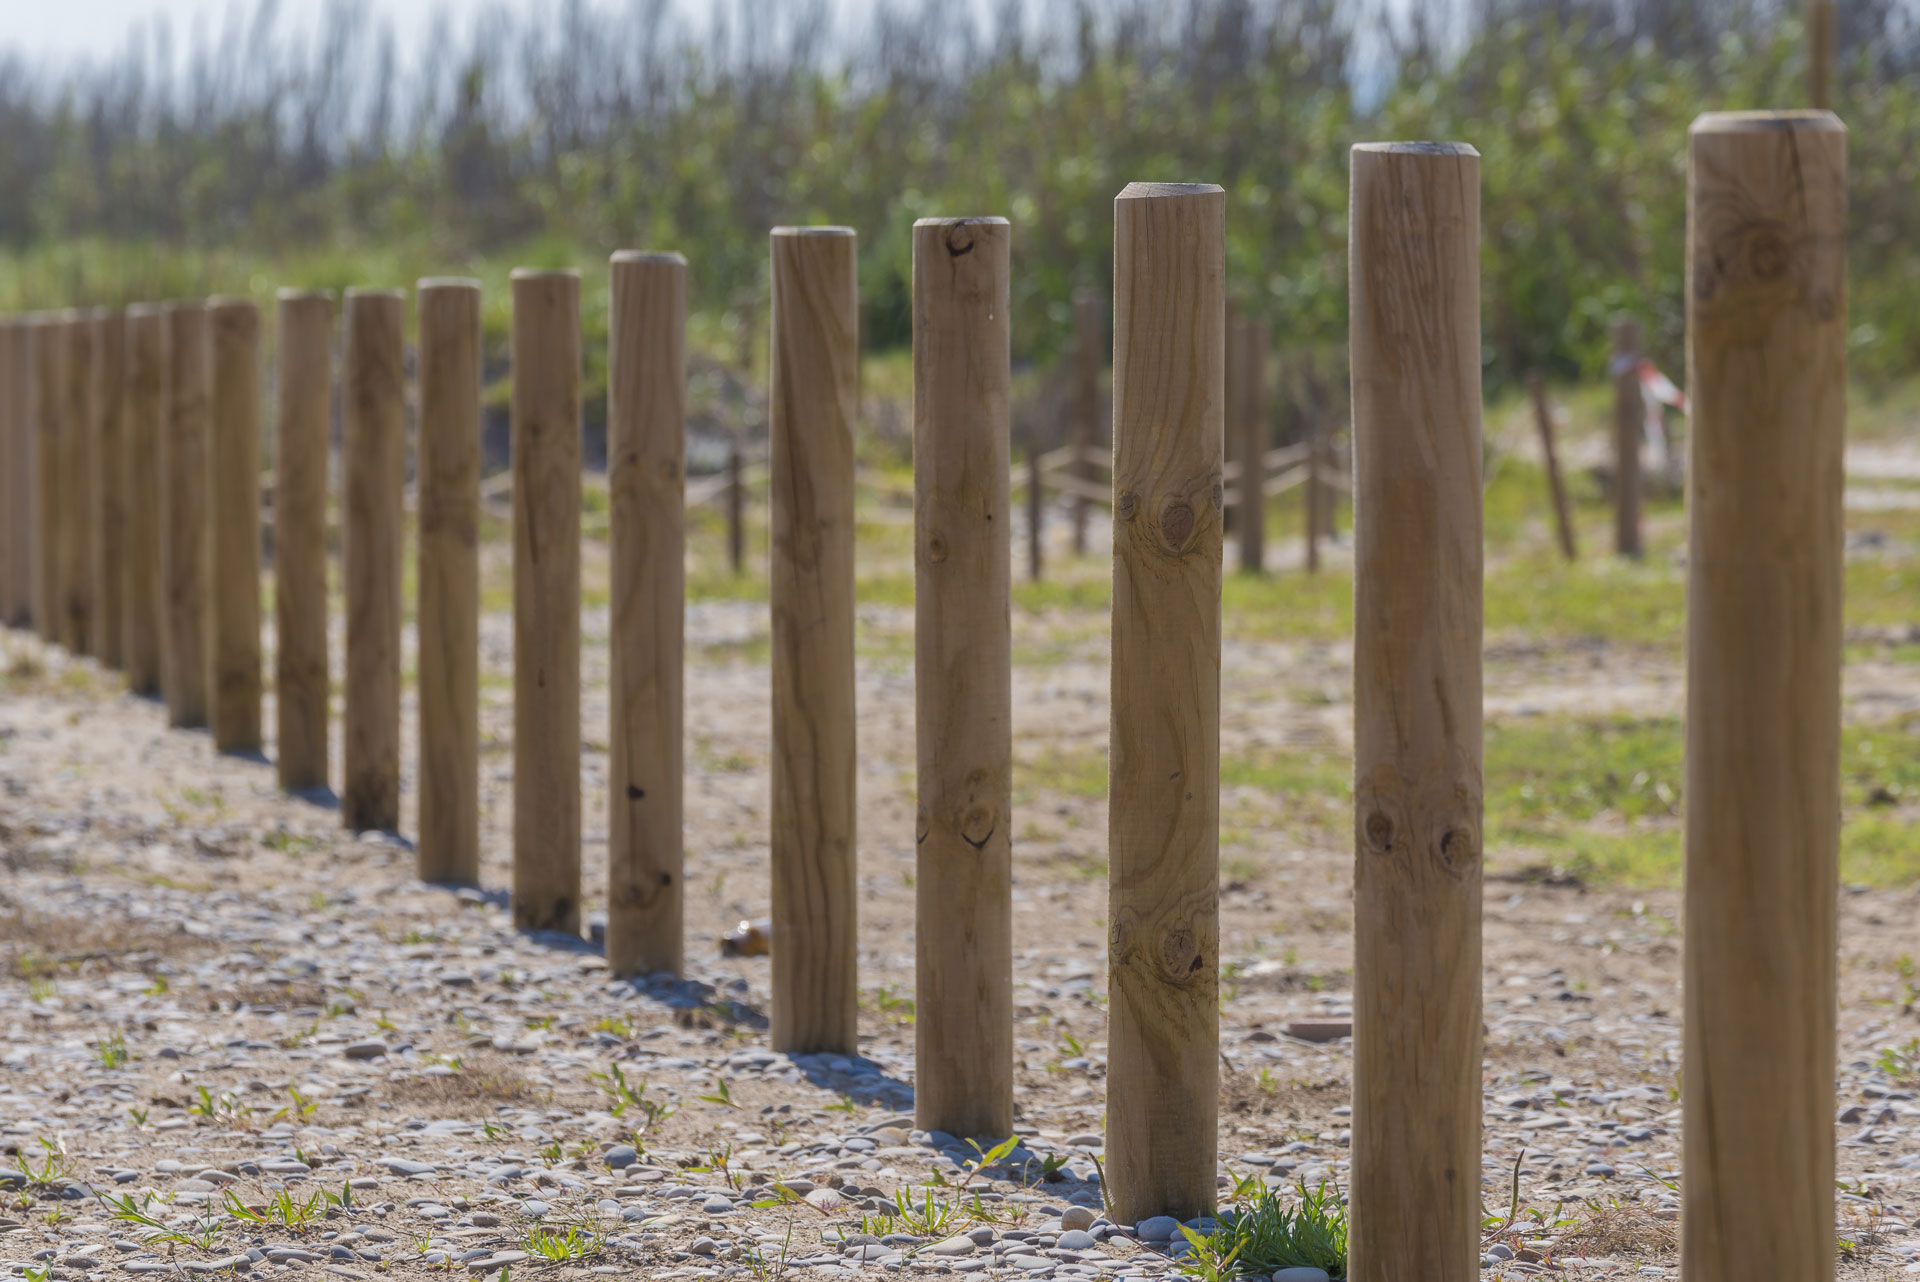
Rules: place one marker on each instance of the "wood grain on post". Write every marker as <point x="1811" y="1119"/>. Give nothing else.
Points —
<point x="49" y="413"/>
<point x="110" y="484"/>
<point x="301" y="680"/>
<point x="1550" y="454"/>
<point x="234" y="488"/>
<point x="1253" y="446"/>
<point x="21" y="548"/>
<point x="1629" y="429"/>
<point x="646" y="461"/>
<point x="814" y="400"/>
<point x="1036" y="517"/>
<point x="546" y="600"/>
<point x="1415" y="339"/>
<point x="185" y="554"/>
<point x="373" y="443"/>
<point x="1089" y="334"/>
<point x="79" y="486"/>
<point x="448" y="845"/>
<point x="1169" y="372"/>
<point x="142" y="592"/>
<point x="963" y="685"/>
<point x="1766" y="363"/>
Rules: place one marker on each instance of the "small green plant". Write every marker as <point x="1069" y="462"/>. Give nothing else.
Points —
<point x="492" y="1130"/>
<point x="716" y="1164"/>
<point x="846" y="1105"/>
<point x="722" y="1094"/>
<point x="1901" y="1063"/>
<point x="615" y="1025"/>
<point x="32" y="1274"/>
<point x="111" y="1050"/>
<point x="53" y="1168"/>
<point x="138" y="1116"/>
<point x="984" y="1158"/>
<point x="384" y="1024"/>
<point x="558" y="1244"/>
<point x="551" y="1152"/>
<point x="1264" y="1235"/>
<point x="343" y="1200"/>
<point x="159" y="987"/>
<point x="301" y="1106"/>
<point x="280" y="1209"/>
<point x="891" y="1005"/>
<point x="40" y="989"/>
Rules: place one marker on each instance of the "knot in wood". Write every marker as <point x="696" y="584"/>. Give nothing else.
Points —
<point x="1378" y="831"/>
<point x="959" y="240"/>
<point x="1181" y="956"/>
<point x="977" y="826"/>
<point x="1459" y="849"/>
<point x="1176" y="523"/>
<point x="922" y="824"/>
<point x="1127" y="504"/>
<point x="1768" y="255"/>
<point x="936" y="548"/>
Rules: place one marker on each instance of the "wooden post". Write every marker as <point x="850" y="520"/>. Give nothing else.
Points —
<point x="79" y="489"/>
<point x="1629" y="429"/>
<point x="1543" y="416"/>
<point x="1767" y="338"/>
<point x="301" y="681"/>
<point x="183" y="513"/>
<point x="11" y="375"/>
<point x="49" y="413"/>
<point x="1414" y="326"/>
<point x="142" y="593"/>
<point x="1311" y="495"/>
<point x="646" y="461"/>
<point x="1169" y="374"/>
<point x="1253" y="446"/>
<point x="546" y="601"/>
<point x="448" y="612"/>
<point x="736" y="509"/>
<point x="1233" y="415"/>
<point x="1089" y="331"/>
<point x="18" y="338"/>
<point x="110" y="484"/>
<point x="1036" y="516"/>
<point x="1820" y="45"/>
<point x="963" y="688"/>
<point x="374" y="445"/>
<point x="815" y="395"/>
<point x="234" y="488"/>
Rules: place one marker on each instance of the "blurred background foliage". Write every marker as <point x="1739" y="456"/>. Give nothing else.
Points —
<point x="261" y="157"/>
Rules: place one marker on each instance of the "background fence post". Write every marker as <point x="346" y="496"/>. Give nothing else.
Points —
<point x="815" y="394"/>
<point x="1550" y="455"/>
<point x="546" y="600"/>
<point x="1253" y="445"/>
<point x="146" y="416"/>
<point x="110" y="484"/>
<point x="448" y="613"/>
<point x="736" y="508"/>
<point x="1415" y="338"/>
<point x="11" y="377"/>
<point x="49" y="355"/>
<point x="1089" y="333"/>
<point x="1169" y="392"/>
<point x="183" y="511"/>
<point x="20" y="472"/>
<point x="1767" y="337"/>
<point x="234" y="488"/>
<point x="963" y="686"/>
<point x="373" y="441"/>
<point x="79" y="488"/>
<point x="301" y="679"/>
<point x="1629" y="429"/>
<point x="1036" y="517"/>
<point x="647" y="463"/>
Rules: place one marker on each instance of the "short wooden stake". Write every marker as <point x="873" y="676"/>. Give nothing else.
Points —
<point x="1169" y="392"/>
<point x="16" y="349"/>
<point x="448" y="846"/>
<point x="1089" y="335"/>
<point x="186" y="554"/>
<point x="235" y="522"/>
<point x="1253" y="446"/>
<point x="646" y="460"/>
<point x="546" y="600"/>
<point x="1414" y="325"/>
<point x="374" y="439"/>
<point x="79" y="486"/>
<point x="736" y="509"/>
<point x="1036" y="517"/>
<point x="110" y="485"/>
<point x="1629" y="429"/>
<point x="1767" y="341"/>
<point x="1543" y="417"/>
<point x="301" y="681"/>
<point x="49" y="403"/>
<point x="142" y="592"/>
<point x="815" y="395"/>
<point x="963" y="687"/>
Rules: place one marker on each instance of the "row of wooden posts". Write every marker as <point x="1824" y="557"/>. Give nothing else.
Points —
<point x="153" y="566"/>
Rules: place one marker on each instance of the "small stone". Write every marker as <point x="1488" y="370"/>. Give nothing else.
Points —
<point x="1076" y="1240"/>
<point x="620" y="1156"/>
<point x="373" y="1049"/>
<point x="1077" y="1217"/>
<point x="867" y="1251"/>
<point x="952" y="1246"/>
<point x="401" y="1166"/>
<point x="1157" y="1228"/>
<point x="716" y="1205"/>
<point x="1600" y="1169"/>
<point x="702" y="1246"/>
<point x="824" y="1199"/>
<point x="1319" y="1030"/>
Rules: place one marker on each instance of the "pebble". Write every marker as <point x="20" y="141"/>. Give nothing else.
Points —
<point x="1076" y="1240"/>
<point x="1157" y="1228"/>
<point x="371" y="1049"/>
<point x="1077" y="1217"/>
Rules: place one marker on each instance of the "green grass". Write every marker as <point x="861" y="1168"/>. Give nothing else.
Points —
<point x="1263" y="1236"/>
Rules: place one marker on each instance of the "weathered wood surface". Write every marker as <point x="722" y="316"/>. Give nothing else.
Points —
<point x="301" y="681"/>
<point x="234" y="487"/>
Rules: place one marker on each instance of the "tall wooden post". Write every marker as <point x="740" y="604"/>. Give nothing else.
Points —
<point x="963" y="689"/>
<point x="234" y="488"/>
<point x="10" y="377"/>
<point x="1253" y="445"/>
<point x="1820" y="43"/>
<point x="79" y="488"/>
<point x="18" y="339"/>
<point x="1089" y="334"/>
<point x="646" y="460"/>
<point x="1311" y="495"/>
<point x="49" y="412"/>
<point x="1036" y="517"/>
<point x="110" y="484"/>
<point x="1629" y="429"/>
<point x="1233" y="431"/>
<point x="736" y="509"/>
<point x="1169" y="375"/>
<point x="448" y="846"/>
<point x="183" y="511"/>
<point x="1414" y="325"/>
<point x="1543" y="417"/>
<point x="1767" y="339"/>
<point x="815" y="395"/>
<point x="374" y="447"/>
<point x="546" y="601"/>
<point x="301" y="681"/>
<point x="142" y="592"/>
